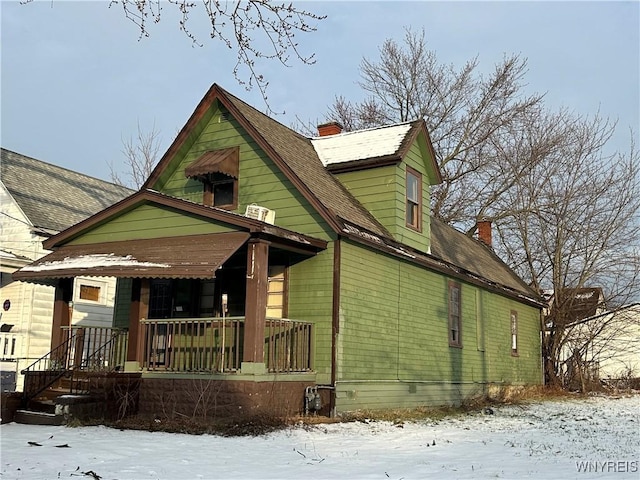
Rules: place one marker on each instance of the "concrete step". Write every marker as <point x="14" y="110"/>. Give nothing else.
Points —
<point x="32" y="417"/>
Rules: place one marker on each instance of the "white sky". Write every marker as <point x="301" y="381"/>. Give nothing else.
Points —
<point x="76" y="80"/>
<point x="588" y="438"/>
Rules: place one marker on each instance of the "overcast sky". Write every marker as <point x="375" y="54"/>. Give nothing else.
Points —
<point x="76" y="80"/>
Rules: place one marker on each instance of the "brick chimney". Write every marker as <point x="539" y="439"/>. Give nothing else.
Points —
<point x="330" y="128"/>
<point x="484" y="232"/>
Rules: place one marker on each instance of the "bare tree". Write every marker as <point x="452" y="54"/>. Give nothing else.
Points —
<point x="566" y="212"/>
<point x="572" y="219"/>
<point x="466" y="114"/>
<point x="255" y="29"/>
<point x="140" y="158"/>
<point x="602" y="348"/>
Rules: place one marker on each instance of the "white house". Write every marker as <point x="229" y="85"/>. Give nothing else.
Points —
<point x="38" y="200"/>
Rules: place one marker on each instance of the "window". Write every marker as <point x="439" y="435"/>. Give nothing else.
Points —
<point x="276" y="292"/>
<point x="514" y="333"/>
<point x="218" y="171"/>
<point x="414" y="199"/>
<point x="455" y="314"/>
<point x="221" y="191"/>
<point x="90" y="291"/>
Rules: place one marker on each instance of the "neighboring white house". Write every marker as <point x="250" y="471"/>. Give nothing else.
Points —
<point x="617" y="346"/>
<point x="37" y="200"/>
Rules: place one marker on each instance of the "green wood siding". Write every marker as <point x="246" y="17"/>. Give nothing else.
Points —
<point x="149" y="221"/>
<point x="122" y="303"/>
<point x="310" y="299"/>
<point x="260" y="180"/>
<point x="394" y="328"/>
<point x="376" y="189"/>
<point x="404" y="234"/>
<point x="382" y="190"/>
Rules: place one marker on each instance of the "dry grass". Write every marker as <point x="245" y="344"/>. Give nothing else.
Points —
<point x="264" y="423"/>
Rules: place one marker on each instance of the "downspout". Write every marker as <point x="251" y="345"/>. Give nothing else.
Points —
<point x="335" y="323"/>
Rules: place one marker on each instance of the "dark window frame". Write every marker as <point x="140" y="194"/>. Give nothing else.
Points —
<point x="208" y="196"/>
<point x="454" y="325"/>
<point x="413" y="205"/>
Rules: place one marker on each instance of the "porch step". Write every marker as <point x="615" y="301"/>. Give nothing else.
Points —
<point x="42" y="405"/>
<point x="32" y="417"/>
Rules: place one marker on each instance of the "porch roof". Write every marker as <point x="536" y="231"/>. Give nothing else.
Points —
<point x="193" y="256"/>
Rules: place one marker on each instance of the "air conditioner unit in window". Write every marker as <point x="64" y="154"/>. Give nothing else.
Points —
<point x="260" y="213"/>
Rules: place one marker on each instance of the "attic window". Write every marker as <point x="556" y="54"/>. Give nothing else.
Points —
<point x="218" y="172"/>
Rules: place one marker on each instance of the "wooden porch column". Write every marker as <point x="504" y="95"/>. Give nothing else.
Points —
<point x="256" y="300"/>
<point x="61" y="310"/>
<point x="139" y="309"/>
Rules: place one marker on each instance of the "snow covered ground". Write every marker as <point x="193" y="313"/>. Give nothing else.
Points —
<point x="596" y="437"/>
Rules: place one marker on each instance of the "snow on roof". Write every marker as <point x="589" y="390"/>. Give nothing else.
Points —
<point x="361" y="144"/>
<point x="92" y="261"/>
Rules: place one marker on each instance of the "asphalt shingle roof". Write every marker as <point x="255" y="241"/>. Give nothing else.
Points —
<point x="52" y="197"/>
<point x="298" y="153"/>
<point x="447" y="243"/>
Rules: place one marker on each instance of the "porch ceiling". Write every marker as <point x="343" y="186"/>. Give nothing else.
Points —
<point x="193" y="256"/>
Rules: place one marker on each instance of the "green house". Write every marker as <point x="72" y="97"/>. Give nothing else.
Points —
<point x="290" y="273"/>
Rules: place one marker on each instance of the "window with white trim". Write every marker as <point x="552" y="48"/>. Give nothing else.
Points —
<point x="90" y="291"/>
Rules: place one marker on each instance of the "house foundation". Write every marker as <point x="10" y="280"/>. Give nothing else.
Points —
<point x="205" y="397"/>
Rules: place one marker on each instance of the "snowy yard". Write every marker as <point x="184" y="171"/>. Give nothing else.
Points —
<point x="597" y="437"/>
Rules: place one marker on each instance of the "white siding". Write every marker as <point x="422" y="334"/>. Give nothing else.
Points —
<point x="31" y="310"/>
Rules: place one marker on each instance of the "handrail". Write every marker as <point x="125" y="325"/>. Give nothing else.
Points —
<point x="85" y="348"/>
<point x="57" y="365"/>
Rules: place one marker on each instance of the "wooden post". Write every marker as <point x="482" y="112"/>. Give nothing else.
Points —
<point x="61" y="310"/>
<point x="256" y="300"/>
<point x="139" y="309"/>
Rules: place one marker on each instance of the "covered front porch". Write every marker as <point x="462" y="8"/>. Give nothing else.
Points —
<point x="207" y="307"/>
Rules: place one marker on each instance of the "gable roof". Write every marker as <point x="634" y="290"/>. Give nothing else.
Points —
<point x="291" y="152"/>
<point x="297" y="157"/>
<point x="54" y="198"/>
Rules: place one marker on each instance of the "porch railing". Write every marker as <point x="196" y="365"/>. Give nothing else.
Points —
<point x="216" y="344"/>
<point x="83" y="349"/>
